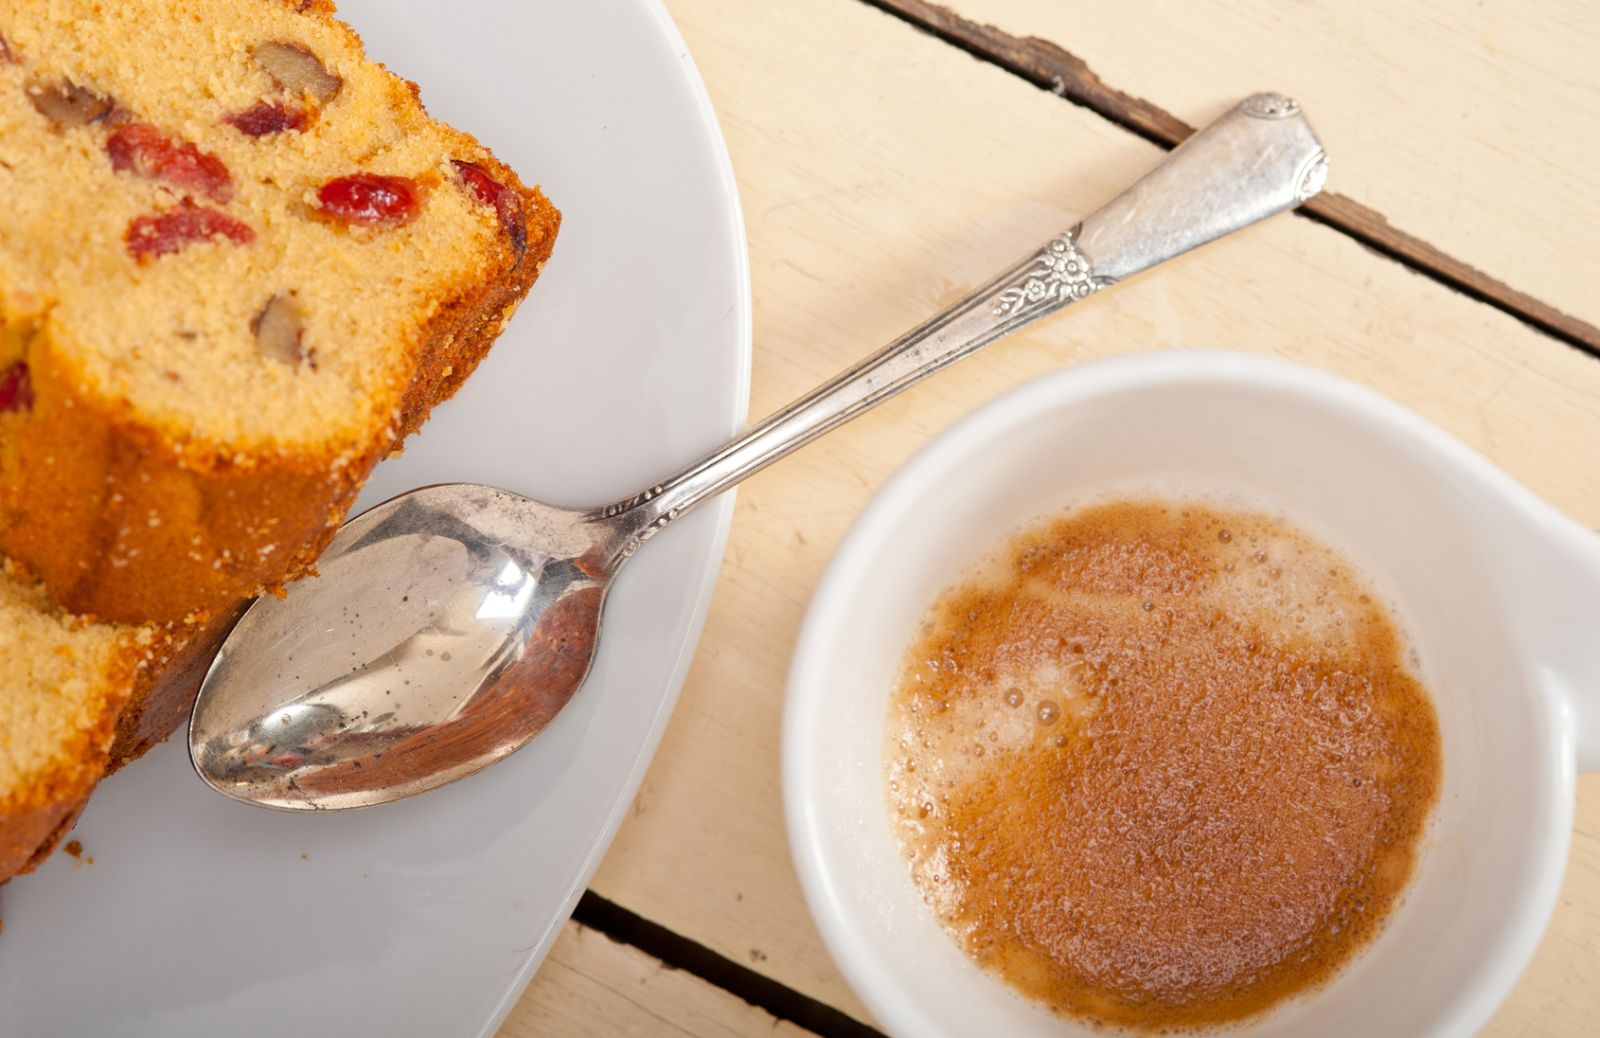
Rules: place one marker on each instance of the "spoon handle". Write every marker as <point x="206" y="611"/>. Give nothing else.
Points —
<point x="1258" y="159"/>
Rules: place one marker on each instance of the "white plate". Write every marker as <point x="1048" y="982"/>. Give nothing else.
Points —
<point x="201" y="916"/>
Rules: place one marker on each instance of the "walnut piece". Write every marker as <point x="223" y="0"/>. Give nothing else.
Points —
<point x="297" y="70"/>
<point x="280" y="331"/>
<point x="68" y="105"/>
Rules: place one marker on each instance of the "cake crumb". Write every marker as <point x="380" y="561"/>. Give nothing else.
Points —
<point x="74" y="848"/>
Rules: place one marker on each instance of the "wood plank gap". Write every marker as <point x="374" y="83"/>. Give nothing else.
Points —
<point x="678" y="952"/>
<point x="1050" y="67"/>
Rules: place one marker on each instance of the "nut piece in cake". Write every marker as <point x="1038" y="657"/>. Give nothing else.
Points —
<point x="297" y="70"/>
<point x="280" y="330"/>
<point x="68" y="105"/>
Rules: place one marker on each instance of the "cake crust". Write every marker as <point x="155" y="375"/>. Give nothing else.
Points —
<point x="38" y="809"/>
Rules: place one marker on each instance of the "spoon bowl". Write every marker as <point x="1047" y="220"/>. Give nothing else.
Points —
<point x="448" y="626"/>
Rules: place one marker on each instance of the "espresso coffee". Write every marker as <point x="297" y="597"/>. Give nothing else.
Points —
<point x="1161" y="764"/>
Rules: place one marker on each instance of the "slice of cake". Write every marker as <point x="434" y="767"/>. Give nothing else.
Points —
<point x="238" y="263"/>
<point x="63" y="682"/>
<point x="77" y="700"/>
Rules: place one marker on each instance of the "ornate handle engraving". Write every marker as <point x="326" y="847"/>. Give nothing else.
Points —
<point x="633" y="502"/>
<point x="1059" y="274"/>
<point x="1312" y="178"/>
<point x="1269" y="106"/>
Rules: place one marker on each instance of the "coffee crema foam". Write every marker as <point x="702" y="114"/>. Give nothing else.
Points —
<point x="1161" y="764"/>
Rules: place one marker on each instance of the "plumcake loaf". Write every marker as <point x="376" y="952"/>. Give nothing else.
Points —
<point x="238" y="264"/>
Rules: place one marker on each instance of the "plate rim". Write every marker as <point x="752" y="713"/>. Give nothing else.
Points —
<point x="722" y="509"/>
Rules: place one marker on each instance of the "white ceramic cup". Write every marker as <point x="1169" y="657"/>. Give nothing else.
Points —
<point x="1499" y="593"/>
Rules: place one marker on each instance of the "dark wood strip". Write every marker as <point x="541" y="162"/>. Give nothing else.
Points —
<point x="678" y="952"/>
<point x="1052" y="68"/>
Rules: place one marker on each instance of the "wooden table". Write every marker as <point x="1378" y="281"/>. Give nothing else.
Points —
<point x="890" y="154"/>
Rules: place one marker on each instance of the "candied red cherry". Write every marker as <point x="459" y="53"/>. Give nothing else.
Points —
<point x="145" y="151"/>
<point x="268" y="117"/>
<point x="370" y="200"/>
<point x="160" y="234"/>
<point x="506" y="202"/>
<point x="16" y="389"/>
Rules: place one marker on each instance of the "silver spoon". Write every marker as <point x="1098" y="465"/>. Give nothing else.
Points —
<point x="451" y="623"/>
